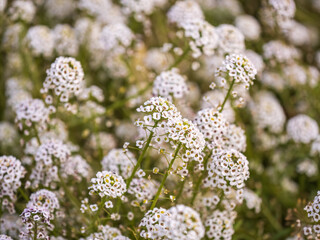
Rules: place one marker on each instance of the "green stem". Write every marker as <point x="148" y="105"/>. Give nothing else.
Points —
<point x="227" y="96"/>
<point x="197" y="186"/>
<point x="23" y="194"/>
<point x="165" y="177"/>
<point x="120" y="103"/>
<point x="35" y="231"/>
<point x="181" y="189"/>
<point x="145" y="148"/>
<point x="273" y="221"/>
<point x="0" y="208"/>
<point x="71" y="197"/>
<point x="179" y="59"/>
<point x="36" y="134"/>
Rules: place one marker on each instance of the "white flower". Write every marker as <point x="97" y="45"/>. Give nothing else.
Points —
<point x="155" y="224"/>
<point x="108" y="184"/>
<point x="302" y="129"/>
<point x="119" y="162"/>
<point x="170" y="84"/>
<point x="64" y="77"/>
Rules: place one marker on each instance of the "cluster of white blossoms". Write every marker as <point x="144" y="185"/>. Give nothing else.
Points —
<point x="249" y="26"/>
<point x="231" y="40"/>
<point x="220" y="225"/>
<point x="302" y="129"/>
<point x="308" y="167"/>
<point x="236" y="74"/>
<point x="203" y="37"/>
<point x="5" y="237"/>
<point x="267" y="112"/>
<point x="104" y="11"/>
<point x="107" y="233"/>
<point x="313" y="210"/>
<point x="11" y="173"/>
<point x="59" y="9"/>
<point x="76" y="167"/>
<point x="119" y="162"/>
<point x="213" y="126"/>
<point x="8" y="134"/>
<point x="17" y="91"/>
<point x="40" y="40"/>
<point x="44" y="199"/>
<point x="252" y="200"/>
<point x="238" y="68"/>
<point x="49" y="157"/>
<point x="32" y="111"/>
<point x="107" y="184"/>
<point x="64" y="77"/>
<point x="22" y="10"/>
<point x="170" y="84"/>
<point x="315" y="146"/>
<point x="279" y="14"/>
<point x="116" y="38"/>
<point x="36" y="222"/>
<point x="158" y="110"/>
<point x="11" y="225"/>
<point x="143" y="189"/>
<point x="158" y="60"/>
<point x="277" y="51"/>
<point x="185" y="223"/>
<point x="155" y="224"/>
<point x="183" y="11"/>
<point x="141" y="7"/>
<point x="228" y="169"/>
<point x="295" y="75"/>
<point x="184" y="132"/>
<point x="235" y="138"/>
<point x="65" y="40"/>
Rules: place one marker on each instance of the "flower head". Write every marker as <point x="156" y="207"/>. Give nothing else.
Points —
<point x="108" y="184"/>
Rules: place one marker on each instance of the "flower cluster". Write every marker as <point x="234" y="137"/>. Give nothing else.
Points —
<point x="116" y="38"/>
<point x="65" y="40"/>
<point x="277" y="51"/>
<point x="49" y="157"/>
<point x="203" y="37"/>
<point x="44" y="199"/>
<point x="185" y="224"/>
<point x="183" y="11"/>
<point x="170" y="84"/>
<point x="107" y="184"/>
<point x="119" y="162"/>
<point x="268" y="113"/>
<point x="40" y="40"/>
<point x="32" y="111"/>
<point x="313" y="210"/>
<point x="213" y="126"/>
<point x="228" y="169"/>
<point x="159" y="110"/>
<point x="184" y="132"/>
<point x="64" y="77"/>
<point x="143" y="189"/>
<point x="5" y="237"/>
<point x="237" y="68"/>
<point x="155" y="224"/>
<point x="11" y="172"/>
<point x="36" y="222"/>
<point x="107" y="233"/>
<point x="220" y="224"/>
<point x="231" y="40"/>
<point x="235" y="138"/>
<point x="302" y="129"/>
<point x="77" y="168"/>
